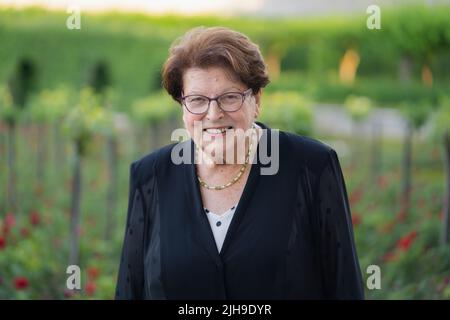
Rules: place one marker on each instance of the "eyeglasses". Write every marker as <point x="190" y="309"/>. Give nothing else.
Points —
<point x="228" y="102"/>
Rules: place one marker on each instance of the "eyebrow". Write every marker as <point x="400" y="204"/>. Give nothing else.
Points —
<point x="230" y="89"/>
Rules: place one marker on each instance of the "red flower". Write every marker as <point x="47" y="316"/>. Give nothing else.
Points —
<point x="405" y="242"/>
<point x="93" y="272"/>
<point x="390" y="256"/>
<point x="20" y="283"/>
<point x="10" y="221"/>
<point x="90" y="288"/>
<point x="35" y="219"/>
<point x="355" y="196"/>
<point x="2" y="242"/>
<point x="356" y="219"/>
<point x="24" y="232"/>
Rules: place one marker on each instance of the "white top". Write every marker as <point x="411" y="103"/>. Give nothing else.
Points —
<point x="219" y="224"/>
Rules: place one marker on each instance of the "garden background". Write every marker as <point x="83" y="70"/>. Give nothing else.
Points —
<point x="77" y="106"/>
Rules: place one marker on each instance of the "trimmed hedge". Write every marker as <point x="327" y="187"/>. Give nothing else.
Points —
<point x="132" y="47"/>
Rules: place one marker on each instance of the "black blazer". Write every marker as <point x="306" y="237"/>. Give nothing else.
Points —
<point x="291" y="236"/>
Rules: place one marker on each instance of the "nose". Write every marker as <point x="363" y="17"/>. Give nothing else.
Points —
<point x="214" y="111"/>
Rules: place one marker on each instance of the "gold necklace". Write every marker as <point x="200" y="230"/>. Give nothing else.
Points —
<point x="236" y="178"/>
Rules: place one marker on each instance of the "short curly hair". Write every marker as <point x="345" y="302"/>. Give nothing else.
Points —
<point x="214" y="47"/>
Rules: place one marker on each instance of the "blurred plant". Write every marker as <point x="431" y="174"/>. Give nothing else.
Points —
<point x="287" y="110"/>
<point x="29" y="267"/>
<point x="50" y="105"/>
<point x="416" y="42"/>
<point x="441" y="133"/>
<point x="109" y="101"/>
<point x="416" y="115"/>
<point x="81" y="123"/>
<point x="9" y="114"/>
<point x="153" y="112"/>
<point x="47" y="108"/>
<point x="359" y="108"/>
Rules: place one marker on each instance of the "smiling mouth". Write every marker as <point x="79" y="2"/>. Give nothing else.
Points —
<point x="217" y="130"/>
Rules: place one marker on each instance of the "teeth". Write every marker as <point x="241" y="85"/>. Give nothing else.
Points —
<point x="215" y="131"/>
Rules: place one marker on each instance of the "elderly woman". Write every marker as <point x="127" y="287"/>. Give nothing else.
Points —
<point x="218" y="227"/>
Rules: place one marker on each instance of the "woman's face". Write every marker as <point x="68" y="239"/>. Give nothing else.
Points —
<point x="212" y="82"/>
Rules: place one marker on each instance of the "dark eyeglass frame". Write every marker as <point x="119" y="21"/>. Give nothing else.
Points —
<point x="243" y="95"/>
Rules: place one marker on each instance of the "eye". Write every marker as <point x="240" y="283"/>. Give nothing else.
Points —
<point x="230" y="97"/>
<point x="196" y="99"/>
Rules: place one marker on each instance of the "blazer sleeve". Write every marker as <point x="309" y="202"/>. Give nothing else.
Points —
<point x="130" y="280"/>
<point x="341" y="272"/>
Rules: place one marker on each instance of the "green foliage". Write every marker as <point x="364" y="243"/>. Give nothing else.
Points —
<point x="133" y="47"/>
<point x="416" y="112"/>
<point x="384" y="92"/>
<point x="50" y="105"/>
<point x="287" y="111"/>
<point x="154" y="108"/>
<point x="8" y="113"/>
<point x="86" y="118"/>
<point x="418" y="39"/>
<point x="358" y="107"/>
<point x="441" y="119"/>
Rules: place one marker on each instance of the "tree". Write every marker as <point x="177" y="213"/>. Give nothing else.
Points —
<point x="441" y="133"/>
<point x="47" y="108"/>
<point x="112" y="126"/>
<point x="9" y="114"/>
<point x="359" y="107"/>
<point x="416" y="115"/>
<point x="81" y="123"/>
<point x="20" y="85"/>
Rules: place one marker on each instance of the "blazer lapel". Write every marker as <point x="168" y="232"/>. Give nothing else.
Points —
<point x="200" y="227"/>
<point x="248" y="192"/>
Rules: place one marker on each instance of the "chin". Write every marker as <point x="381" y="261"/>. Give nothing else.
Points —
<point x="222" y="151"/>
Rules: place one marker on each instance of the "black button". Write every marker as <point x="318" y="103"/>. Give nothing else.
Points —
<point x="218" y="223"/>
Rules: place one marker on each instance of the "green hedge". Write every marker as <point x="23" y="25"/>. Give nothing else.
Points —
<point x="133" y="47"/>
